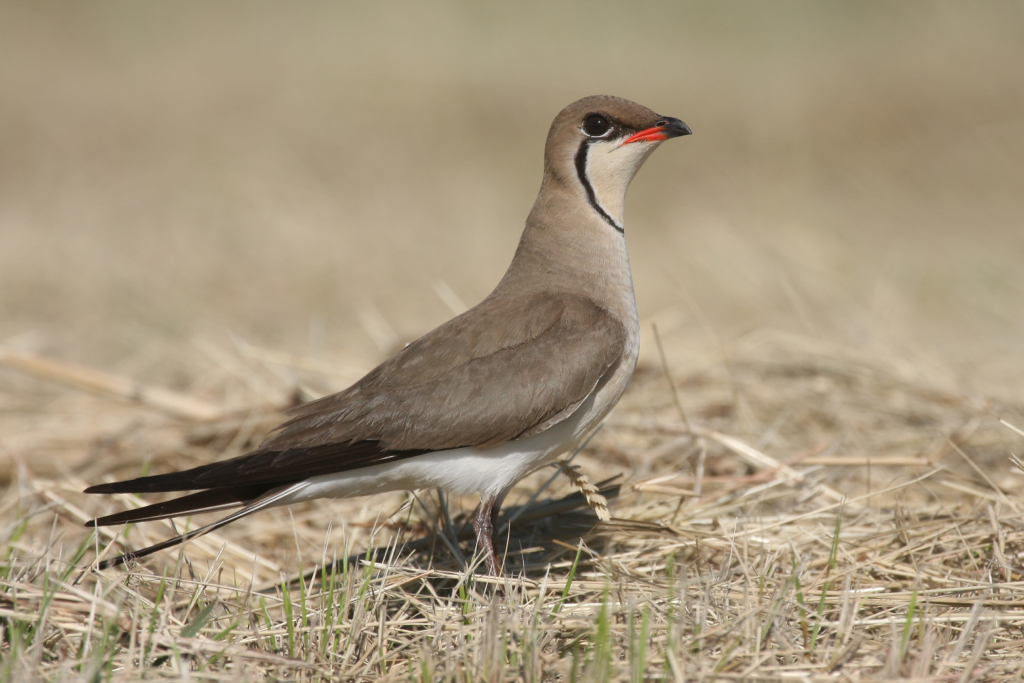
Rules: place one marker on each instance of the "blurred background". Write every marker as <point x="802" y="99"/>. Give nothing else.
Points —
<point x="325" y="178"/>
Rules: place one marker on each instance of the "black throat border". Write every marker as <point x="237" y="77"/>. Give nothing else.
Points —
<point x="581" y="171"/>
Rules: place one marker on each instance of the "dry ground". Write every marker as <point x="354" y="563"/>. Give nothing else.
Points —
<point x="205" y="212"/>
<point x="825" y="515"/>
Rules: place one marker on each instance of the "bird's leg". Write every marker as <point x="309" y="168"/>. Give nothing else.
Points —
<point x="496" y="508"/>
<point x="483" y="525"/>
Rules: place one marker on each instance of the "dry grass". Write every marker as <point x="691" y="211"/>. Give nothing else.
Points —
<point x="824" y="515"/>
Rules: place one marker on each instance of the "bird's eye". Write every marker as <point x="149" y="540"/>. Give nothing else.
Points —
<point x="596" y="125"/>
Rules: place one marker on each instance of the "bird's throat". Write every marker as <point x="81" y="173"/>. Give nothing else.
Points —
<point x="605" y="168"/>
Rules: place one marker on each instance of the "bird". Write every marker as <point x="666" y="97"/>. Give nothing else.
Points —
<point x="486" y="398"/>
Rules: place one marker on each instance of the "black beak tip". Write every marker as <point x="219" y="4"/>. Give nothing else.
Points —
<point x="676" y="128"/>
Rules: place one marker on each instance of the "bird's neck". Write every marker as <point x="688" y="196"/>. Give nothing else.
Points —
<point x="568" y="247"/>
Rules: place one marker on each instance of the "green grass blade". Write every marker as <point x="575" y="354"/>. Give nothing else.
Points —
<point x="192" y="630"/>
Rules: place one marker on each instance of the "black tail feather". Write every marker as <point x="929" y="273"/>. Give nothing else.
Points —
<point x="264" y="501"/>
<point x="203" y="501"/>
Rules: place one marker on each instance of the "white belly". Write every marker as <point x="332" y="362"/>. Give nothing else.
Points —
<point x="460" y="471"/>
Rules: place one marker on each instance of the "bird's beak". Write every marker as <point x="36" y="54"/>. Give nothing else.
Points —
<point x="666" y="127"/>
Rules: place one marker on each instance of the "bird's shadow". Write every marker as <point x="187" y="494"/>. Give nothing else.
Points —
<point x="540" y="533"/>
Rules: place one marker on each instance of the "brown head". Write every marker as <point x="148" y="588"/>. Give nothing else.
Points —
<point x="597" y="144"/>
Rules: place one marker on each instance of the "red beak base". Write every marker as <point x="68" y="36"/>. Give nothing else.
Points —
<point x="655" y="134"/>
<point x="667" y="128"/>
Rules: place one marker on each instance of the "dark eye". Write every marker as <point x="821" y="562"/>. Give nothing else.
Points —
<point x="596" y="125"/>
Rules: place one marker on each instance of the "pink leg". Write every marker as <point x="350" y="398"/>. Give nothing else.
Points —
<point x="483" y="524"/>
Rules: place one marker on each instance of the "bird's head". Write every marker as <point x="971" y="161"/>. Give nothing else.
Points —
<point x="597" y="144"/>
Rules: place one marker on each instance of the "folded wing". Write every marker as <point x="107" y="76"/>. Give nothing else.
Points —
<point x="474" y="381"/>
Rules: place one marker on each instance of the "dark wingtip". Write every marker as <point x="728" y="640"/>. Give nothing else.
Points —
<point x="115" y="561"/>
<point x="92" y="523"/>
<point x="159" y="483"/>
